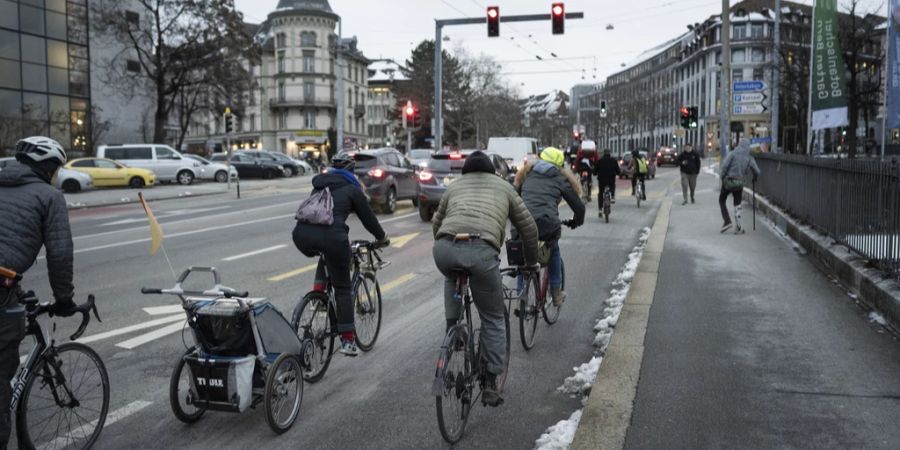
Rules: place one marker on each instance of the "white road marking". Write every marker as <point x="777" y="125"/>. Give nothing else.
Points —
<point x="129" y="329"/>
<point x="165" y="215"/>
<point x="88" y="429"/>
<point x="161" y="310"/>
<point x="257" y="252"/>
<point x="152" y="336"/>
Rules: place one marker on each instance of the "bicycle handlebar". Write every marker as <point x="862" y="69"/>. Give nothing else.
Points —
<point x="85" y="309"/>
<point x="11" y="274"/>
<point x="216" y="291"/>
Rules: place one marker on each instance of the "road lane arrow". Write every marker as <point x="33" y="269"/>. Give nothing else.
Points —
<point x="400" y="241"/>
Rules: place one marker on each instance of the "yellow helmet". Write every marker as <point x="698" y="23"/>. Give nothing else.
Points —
<point x="553" y="156"/>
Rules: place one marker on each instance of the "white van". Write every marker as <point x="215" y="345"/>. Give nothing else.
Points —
<point x="164" y="161"/>
<point x="515" y="150"/>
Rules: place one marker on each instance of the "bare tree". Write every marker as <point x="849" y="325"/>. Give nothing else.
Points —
<point x="858" y="37"/>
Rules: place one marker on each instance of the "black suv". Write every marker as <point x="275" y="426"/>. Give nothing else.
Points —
<point x="442" y="169"/>
<point x="388" y="176"/>
<point x="250" y="167"/>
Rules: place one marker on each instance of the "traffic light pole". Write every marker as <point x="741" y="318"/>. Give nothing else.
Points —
<point x="438" y="61"/>
<point x="725" y="76"/>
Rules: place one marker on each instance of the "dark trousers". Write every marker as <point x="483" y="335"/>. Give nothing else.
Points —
<point x="312" y="241"/>
<point x="723" y="197"/>
<point x="601" y="185"/>
<point x="12" y="331"/>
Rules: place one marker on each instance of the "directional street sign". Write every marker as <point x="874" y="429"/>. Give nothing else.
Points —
<point x="756" y="97"/>
<point x="761" y="140"/>
<point x="749" y="109"/>
<point x="749" y="86"/>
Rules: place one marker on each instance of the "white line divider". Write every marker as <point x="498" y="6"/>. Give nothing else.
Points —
<point x="111" y="418"/>
<point x="129" y="329"/>
<point x="254" y="253"/>
<point x="162" y="310"/>
<point x="153" y="335"/>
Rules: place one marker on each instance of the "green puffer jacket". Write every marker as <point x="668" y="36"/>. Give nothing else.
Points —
<point x="480" y="203"/>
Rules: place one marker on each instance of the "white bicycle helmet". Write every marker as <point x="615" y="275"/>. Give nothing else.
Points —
<point x="39" y="148"/>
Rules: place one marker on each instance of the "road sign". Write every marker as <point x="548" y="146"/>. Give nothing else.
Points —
<point x="761" y="140"/>
<point x="749" y="86"/>
<point x="756" y="97"/>
<point x="749" y="109"/>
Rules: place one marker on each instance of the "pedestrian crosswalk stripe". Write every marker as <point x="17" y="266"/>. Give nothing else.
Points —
<point x="152" y="336"/>
<point x="293" y="273"/>
<point x="129" y="329"/>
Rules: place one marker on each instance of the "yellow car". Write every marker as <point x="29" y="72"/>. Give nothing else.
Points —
<point x="109" y="173"/>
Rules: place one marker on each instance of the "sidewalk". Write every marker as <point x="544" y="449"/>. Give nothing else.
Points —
<point x="118" y="196"/>
<point x="748" y="345"/>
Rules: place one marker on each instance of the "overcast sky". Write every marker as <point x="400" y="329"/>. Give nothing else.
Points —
<point x="588" y="52"/>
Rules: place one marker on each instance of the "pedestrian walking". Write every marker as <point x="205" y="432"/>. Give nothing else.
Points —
<point x="737" y="166"/>
<point x="689" y="163"/>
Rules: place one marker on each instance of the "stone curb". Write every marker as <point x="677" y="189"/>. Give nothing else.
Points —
<point x="607" y="414"/>
<point x="872" y="287"/>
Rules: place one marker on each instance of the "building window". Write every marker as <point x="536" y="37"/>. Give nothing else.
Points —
<point x="307" y="39"/>
<point x="281" y="90"/>
<point x="739" y="31"/>
<point x="756" y="31"/>
<point x="737" y="75"/>
<point x="280" y="61"/>
<point x="309" y="92"/>
<point x="738" y="56"/>
<point x="133" y="66"/>
<point x="758" y="55"/>
<point x="252" y="122"/>
<point x="282" y="120"/>
<point x="758" y="73"/>
<point x="281" y="40"/>
<point x="310" y="120"/>
<point x="309" y="61"/>
<point x="133" y="19"/>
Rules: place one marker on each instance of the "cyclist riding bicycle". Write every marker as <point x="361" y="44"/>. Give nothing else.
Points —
<point x="543" y="184"/>
<point x="33" y="214"/>
<point x="607" y="169"/>
<point x="469" y="229"/>
<point x="639" y="168"/>
<point x="585" y="170"/>
<point x="333" y="242"/>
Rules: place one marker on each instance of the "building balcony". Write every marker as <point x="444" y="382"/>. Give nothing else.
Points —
<point x="300" y="102"/>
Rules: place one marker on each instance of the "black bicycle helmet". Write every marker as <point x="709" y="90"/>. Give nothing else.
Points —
<point x="344" y="162"/>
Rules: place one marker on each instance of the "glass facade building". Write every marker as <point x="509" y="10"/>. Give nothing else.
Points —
<point x="45" y="71"/>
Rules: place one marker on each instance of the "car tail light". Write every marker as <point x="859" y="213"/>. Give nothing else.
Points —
<point x="376" y="173"/>
<point x="455" y="156"/>
<point x="425" y="176"/>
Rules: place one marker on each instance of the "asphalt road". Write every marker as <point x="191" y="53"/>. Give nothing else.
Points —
<point x="380" y="399"/>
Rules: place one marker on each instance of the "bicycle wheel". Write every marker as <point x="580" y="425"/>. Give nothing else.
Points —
<point x="367" y="296"/>
<point x="528" y="310"/>
<point x="453" y="387"/>
<point x="284" y="392"/>
<point x="314" y="321"/>
<point x="179" y="390"/>
<point x="551" y="310"/>
<point x="640" y="193"/>
<point x="65" y="401"/>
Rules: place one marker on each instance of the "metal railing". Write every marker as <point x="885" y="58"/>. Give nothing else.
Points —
<point x="857" y="203"/>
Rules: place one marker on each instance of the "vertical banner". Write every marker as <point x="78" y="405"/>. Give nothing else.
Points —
<point x="829" y="74"/>
<point x="893" y="67"/>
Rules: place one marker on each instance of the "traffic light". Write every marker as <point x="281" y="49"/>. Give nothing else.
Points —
<point x="493" y="21"/>
<point x="558" y="17"/>
<point x="408" y="114"/>
<point x="603" y="110"/>
<point x="229" y="121"/>
<point x="685" y="117"/>
<point x="692" y="117"/>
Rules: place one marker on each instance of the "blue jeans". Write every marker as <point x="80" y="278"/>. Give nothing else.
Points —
<point x="555" y="268"/>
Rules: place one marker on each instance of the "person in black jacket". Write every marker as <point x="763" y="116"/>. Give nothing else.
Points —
<point x="33" y="214"/>
<point x="607" y="169"/>
<point x="689" y="162"/>
<point x="333" y="241"/>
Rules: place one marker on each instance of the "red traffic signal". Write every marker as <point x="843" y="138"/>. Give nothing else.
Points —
<point x="558" y="17"/>
<point x="410" y="111"/>
<point x="493" y="21"/>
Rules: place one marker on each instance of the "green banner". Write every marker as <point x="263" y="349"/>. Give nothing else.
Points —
<point x="829" y="74"/>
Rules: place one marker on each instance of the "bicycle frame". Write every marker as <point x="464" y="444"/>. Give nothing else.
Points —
<point x="464" y="325"/>
<point x="364" y="260"/>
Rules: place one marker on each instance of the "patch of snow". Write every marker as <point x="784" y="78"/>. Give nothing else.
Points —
<point x="581" y="382"/>
<point x="561" y="435"/>
<point x="124" y="199"/>
<point x="877" y="318"/>
<point x="784" y="237"/>
<point x="613" y="305"/>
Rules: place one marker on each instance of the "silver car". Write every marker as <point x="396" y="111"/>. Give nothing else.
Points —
<point x="70" y="181"/>
<point x="212" y="170"/>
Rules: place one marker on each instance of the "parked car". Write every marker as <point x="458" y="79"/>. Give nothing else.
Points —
<point x="164" y="161"/>
<point x="625" y="161"/>
<point x="249" y="167"/>
<point x="419" y="157"/>
<point x="667" y="155"/>
<point x="212" y="170"/>
<point x="109" y="173"/>
<point x="307" y="168"/>
<point x="291" y="167"/>
<point x="515" y="150"/>
<point x="388" y="177"/>
<point x="70" y="181"/>
<point x="442" y="169"/>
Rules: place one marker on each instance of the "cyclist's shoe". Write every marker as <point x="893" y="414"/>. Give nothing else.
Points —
<point x="490" y="396"/>
<point x="348" y="348"/>
<point x="644" y="197"/>
<point x="559" y="296"/>
<point x="739" y="230"/>
<point x="727" y="226"/>
<point x="613" y="200"/>
<point x="692" y="200"/>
